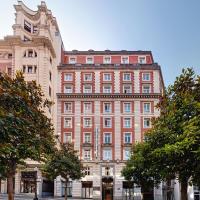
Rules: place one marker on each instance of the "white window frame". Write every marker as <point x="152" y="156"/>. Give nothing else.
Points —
<point x="124" y="59"/>
<point x="124" y="75"/>
<point x="85" y="108"/>
<point x="142" y="58"/>
<point x="145" y="74"/>
<point x="107" y="77"/>
<point x="87" y="137"/>
<point x="87" y="156"/>
<point x="68" y="91"/>
<point x="128" y="91"/>
<point x="107" y="154"/>
<point x="124" y="107"/>
<point x="69" y="110"/>
<point x="89" y="75"/>
<point x="144" y="107"/>
<point x="69" y="124"/>
<point x="87" y="90"/>
<point x="65" y="137"/>
<point x="106" y="138"/>
<point x="144" y="122"/>
<point x="127" y="133"/>
<point x="87" y="125"/>
<point x="72" y="61"/>
<point x="105" y="61"/>
<point x="144" y="91"/>
<point x="126" y="157"/>
<point x="107" y="91"/>
<point x="89" y="62"/>
<point x="68" y="74"/>
<point x="104" y="120"/>
<point x="125" y="122"/>
<point x="104" y="107"/>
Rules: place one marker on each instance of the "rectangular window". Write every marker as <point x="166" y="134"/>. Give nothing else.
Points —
<point x="72" y="60"/>
<point x="126" y="77"/>
<point x="30" y="53"/>
<point x="107" y="89"/>
<point x="87" y="122"/>
<point x="89" y="60"/>
<point x="107" y="107"/>
<point x="126" y="154"/>
<point x="124" y="60"/>
<point x="127" y="89"/>
<point x="147" y="122"/>
<point x="146" y="76"/>
<point x="107" y="60"/>
<point x="35" y="69"/>
<point x="107" y="138"/>
<point x="67" y="138"/>
<point x="27" y="26"/>
<point x="49" y="91"/>
<point x="68" y="122"/>
<point x="107" y="77"/>
<point x="127" y="138"/>
<point x="87" y="77"/>
<point x="127" y="107"/>
<point x="30" y="69"/>
<point x="146" y="107"/>
<point x="146" y="89"/>
<point x="142" y="59"/>
<point x="87" y="137"/>
<point x="87" y="88"/>
<point x="68" y="77"/>
<point x="67" y="107"/>
<point x="107" y="123"/>
<point x="68" y="89"/>
<point x="50" y="75"/>
<point x="24" y="69"/>
<point x="107" y="154"/>
<point x="87" y="107"/>
<point x="87" y="155"/>
<point x="127" y="122"/>
<point x="87" y="171"/>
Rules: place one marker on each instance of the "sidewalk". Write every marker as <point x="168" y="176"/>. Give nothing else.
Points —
<point x="30" y="197"/>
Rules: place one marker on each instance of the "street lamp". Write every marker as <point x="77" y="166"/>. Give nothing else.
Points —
<point x="35" y="198"/>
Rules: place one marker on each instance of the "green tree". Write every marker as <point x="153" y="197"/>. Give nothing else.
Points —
<point x="175" y="134"/>
<point x="25" y="130"/>
<point x="64" y="162"/>
<point x="174" y="141"/>
<point x="140" y="169"/>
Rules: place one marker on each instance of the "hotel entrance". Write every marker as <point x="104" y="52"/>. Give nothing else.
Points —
<point x="107" y="188"/>
<point x="28" y="182"/>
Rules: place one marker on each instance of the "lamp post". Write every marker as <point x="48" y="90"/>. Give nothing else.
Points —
<point x="35" y="198"/>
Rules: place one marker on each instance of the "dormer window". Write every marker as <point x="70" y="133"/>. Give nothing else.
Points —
<point x="124" y="60"/>
<point x="72" y="60"/>
<point x="107" y="60"/>
<point x="27" y="26"/>
<point x="142" y="59"/>
<point x="89" y="60"/>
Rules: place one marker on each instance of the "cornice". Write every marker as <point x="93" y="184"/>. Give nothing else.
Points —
<point x="36" y="41"/>
<point x="67" y="67"/>
<point x="110" y="96"/>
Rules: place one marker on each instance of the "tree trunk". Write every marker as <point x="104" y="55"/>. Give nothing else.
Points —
<point x="10" y="186"/>
<point x="184" y="185"/>
<point x="66" y="189"/>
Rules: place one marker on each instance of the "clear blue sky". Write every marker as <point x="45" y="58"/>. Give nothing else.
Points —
<point x="169" y="28"/>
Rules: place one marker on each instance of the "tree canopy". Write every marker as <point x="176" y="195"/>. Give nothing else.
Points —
<point x="25" y="130"/>
<point x="174" y="140"/>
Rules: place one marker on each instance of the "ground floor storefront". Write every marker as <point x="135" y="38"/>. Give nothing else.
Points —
<point x="102" y="181"/>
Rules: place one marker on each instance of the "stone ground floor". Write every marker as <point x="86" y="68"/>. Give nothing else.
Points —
<point x="102" y="181"/>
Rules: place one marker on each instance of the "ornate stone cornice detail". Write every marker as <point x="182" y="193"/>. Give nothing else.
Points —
<point x="36" y="41"/>
<point x="110" y="96"/>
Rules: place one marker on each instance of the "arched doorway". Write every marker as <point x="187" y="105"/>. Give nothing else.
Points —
<point x="107" y="188"/>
